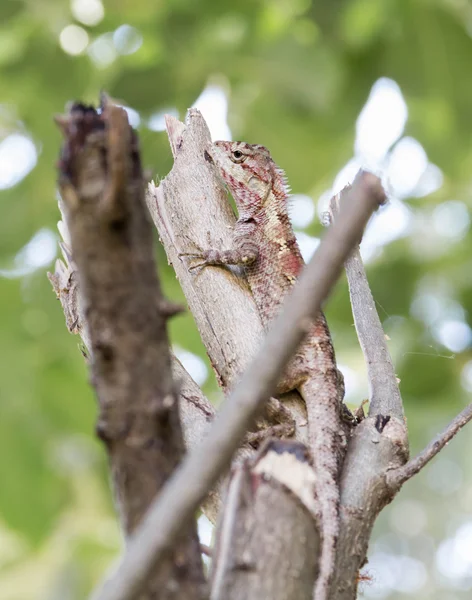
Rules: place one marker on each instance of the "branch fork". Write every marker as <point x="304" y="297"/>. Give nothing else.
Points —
<point x="99" y="207"/>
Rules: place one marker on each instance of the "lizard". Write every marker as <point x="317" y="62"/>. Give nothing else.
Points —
<point x="265" y="244"/>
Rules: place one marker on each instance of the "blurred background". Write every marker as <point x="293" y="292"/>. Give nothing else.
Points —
<point x="328" y="87"/>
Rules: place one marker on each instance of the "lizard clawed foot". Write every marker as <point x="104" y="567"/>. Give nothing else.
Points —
<point x="276" y="411"/>
<point x="197" y="254"/>
<point x="281" y="424"/>
<point x="255" y="438"/>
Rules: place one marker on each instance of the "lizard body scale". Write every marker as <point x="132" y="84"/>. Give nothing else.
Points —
<point x="265" y="244"/>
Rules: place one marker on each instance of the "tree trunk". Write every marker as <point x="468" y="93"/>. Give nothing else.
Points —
<point x="111" y="236"/>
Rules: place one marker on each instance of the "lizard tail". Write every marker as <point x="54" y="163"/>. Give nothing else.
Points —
<point x="324" y="434"/>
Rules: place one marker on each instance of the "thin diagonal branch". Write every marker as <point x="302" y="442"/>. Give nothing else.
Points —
<point x="190" y="483"/>
<point x="384" y="394"/>
<point x="399" y="476"/>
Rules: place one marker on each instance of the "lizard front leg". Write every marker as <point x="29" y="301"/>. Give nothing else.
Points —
<point x="242" y="254"/>
<point x="244" y="250"/>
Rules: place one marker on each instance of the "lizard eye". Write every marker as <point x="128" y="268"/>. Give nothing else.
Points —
<point x="238" y="156"/>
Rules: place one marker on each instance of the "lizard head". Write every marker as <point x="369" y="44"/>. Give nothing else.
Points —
<point x="249" y="172"/>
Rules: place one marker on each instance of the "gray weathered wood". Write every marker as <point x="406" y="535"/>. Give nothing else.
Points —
<point x="190" y="207"/>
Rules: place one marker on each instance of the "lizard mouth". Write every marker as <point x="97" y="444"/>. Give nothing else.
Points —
<point x="208" y="158"/>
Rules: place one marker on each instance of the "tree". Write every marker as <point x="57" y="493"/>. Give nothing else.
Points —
<point x="303" y="78"/>
<point x="121" y="318"/>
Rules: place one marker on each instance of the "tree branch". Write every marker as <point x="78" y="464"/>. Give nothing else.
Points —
<point x="191" y="481"/>
<point x="398" y="477"/>
<point x="269" y="514"/>
<point x="191" y="204"/>
<point x="384" y="396"/>
<point x="379" y="443"/>
<point x="374" y="468"/>
<point x="101" y="185"/>
<point x="374" y="448"/>
<point x="196" y="412"/>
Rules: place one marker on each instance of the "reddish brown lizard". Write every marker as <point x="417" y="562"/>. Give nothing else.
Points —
<point x="265" y="244"/>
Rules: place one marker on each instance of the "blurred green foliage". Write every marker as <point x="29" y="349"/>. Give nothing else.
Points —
<point x="297" y="74"/>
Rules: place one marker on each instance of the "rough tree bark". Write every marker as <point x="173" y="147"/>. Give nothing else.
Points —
<point x="102" y="185"/>
<point x="182" y="495"/>
<point x="379" y="445"/>
<point x="196" y="412"/>
<point x="251" y="560"/>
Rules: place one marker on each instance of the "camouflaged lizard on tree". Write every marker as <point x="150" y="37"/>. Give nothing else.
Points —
<point x="265" y="244"/>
